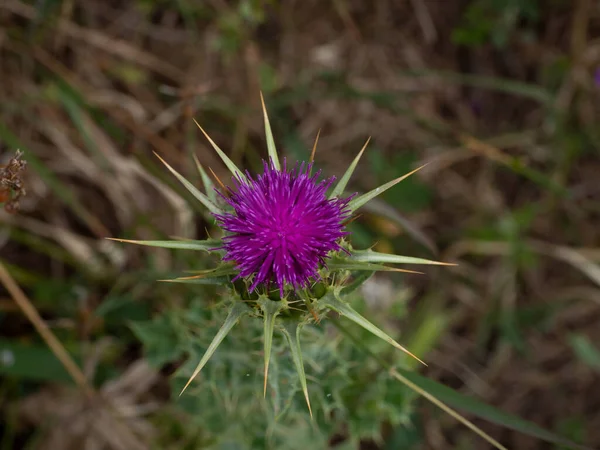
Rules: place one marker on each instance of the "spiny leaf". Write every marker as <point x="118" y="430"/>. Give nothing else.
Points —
<point x="330" y="300"/>
<point x="339" y="188"/>
<point x="209" y="187"/>
<point x="359" y="201"/>
<point x="192" y="189"/>
<point x="376" y="257"/>
<point x="358" y="280"/>
<point x="228" y="162"/>
<point x="239" y="309"/>
<point x="362" y="266"/>
<point x="270" y="310"/>
<point x="225" y="270"/>
<point x="314" y="149"/>
<point x="219" y="281"/>
<point x="269" y="134"/>
<point x="207" y="245"/>
<point x="291" y="330"/>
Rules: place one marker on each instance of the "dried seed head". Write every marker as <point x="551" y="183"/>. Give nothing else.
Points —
<point x="11" y="184"/>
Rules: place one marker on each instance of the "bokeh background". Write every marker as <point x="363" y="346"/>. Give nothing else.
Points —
<point x="500" y="97"/>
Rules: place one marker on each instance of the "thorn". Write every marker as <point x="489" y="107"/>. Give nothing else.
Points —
<point x="315" y="316"/>
<point x="350" y="220"/>
<point x="186" y="386"/>
<point x="161" y="160"/>
<point x="130" y="241"/>
<point x="398" y="346"/>
<point x="394" y="269"/>
<point x="204" y="133"/>
<point x="362" y="150"/>
<point x="218" y="180"/>
<point x="266" y="378"/>
<point x="308" y="403"/>
<point x="314" y="150"/>
<point x="202" y="275"/>
<point x="262" y="101"/>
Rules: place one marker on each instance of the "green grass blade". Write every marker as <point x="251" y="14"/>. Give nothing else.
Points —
<point x="192" y="189"/>
<point x="339" y="188"/>
<point x="585" y="350"/>
<point x="228" y="162"/>
<point x="369" y="256"/>
<point x="477" y="408"/>
<point x="269" y="134"/>
<point x="291" y="330"/>
<point x="442" y="395"/>
<point x="505" y="85"/>
<point x="239" y="309"/>
<point x="209" y="186"/>
<point x="359" y="201"/>
<point x="270" y="311"/>
<point x="331" y="301"/>
<point x="433" y="399"/>
<point x="206" y="245"/>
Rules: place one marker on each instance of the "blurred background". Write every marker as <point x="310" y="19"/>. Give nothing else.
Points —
<point x="500" y="97"/>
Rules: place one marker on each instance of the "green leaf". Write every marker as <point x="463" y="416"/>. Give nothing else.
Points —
<point x="160" y="338"/>
<point x="376" y="257"/>
<point x="357" y="202"/>
<point x="270" y="311"/>
<point x="122" y="308"/>
<point x="32" y="362"/>
<point x="339" y="188"/>
<point x="332" y="301"/>
<point x="192" y="189"/>
<point x="269" y="134"/>
<point x="239" y="309"/>
<point x="207" y="245"/>
<point x="291" y="330"/>
<point x="228" y="162"/>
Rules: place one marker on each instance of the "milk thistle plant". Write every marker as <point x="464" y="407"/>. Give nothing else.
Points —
<point x="285" y="256"/>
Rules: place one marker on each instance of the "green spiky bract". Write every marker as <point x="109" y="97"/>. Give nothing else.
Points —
<point x="345" y="271"/>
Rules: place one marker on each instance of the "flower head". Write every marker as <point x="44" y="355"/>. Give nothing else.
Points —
<point x="282" y="226"/>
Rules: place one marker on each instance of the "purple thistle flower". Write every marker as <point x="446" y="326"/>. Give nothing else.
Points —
<point x="283" y="226"/>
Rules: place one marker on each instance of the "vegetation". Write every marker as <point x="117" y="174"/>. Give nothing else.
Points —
<point x="499" y="98"/>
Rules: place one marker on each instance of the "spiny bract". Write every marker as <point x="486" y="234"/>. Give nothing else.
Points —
<point x="281" y="227"/>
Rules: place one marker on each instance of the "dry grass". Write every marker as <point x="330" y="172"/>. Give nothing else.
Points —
<point x="89" y="91"/>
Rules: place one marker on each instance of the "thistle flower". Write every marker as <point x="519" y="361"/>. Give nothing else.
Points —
<point x="283" y="228"/>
